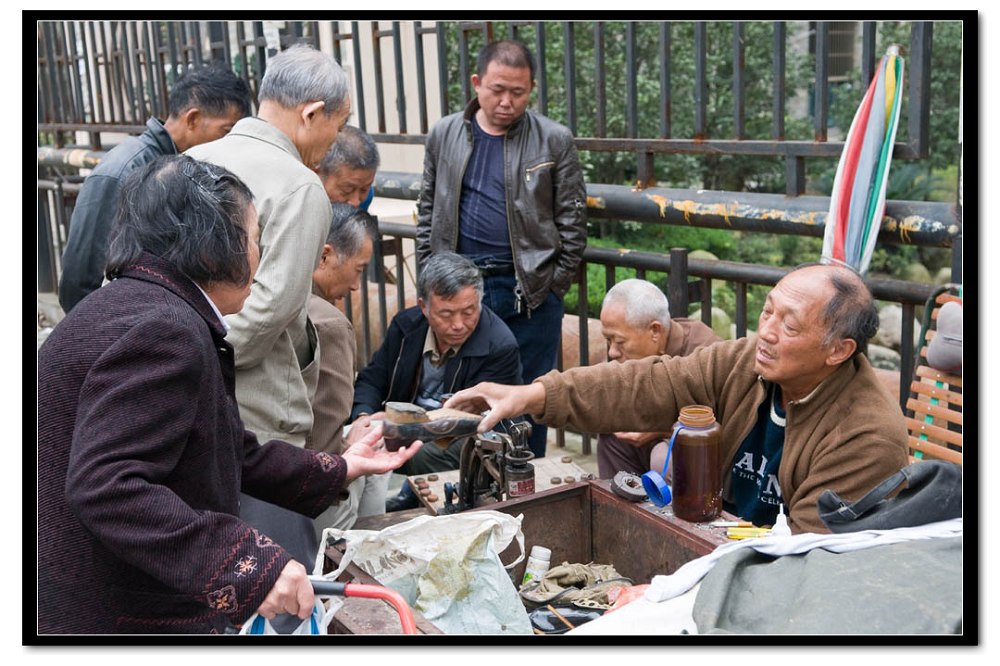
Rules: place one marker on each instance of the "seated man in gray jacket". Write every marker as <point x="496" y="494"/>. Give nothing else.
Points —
<point x="448" y="342"/>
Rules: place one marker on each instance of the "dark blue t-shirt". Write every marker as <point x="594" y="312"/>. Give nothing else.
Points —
<point x="756" y="494"/>
<point x="483" y="205"/>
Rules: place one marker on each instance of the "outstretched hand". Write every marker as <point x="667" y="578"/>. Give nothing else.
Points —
<point x="368" y="455"/>
<point x="362" y="426"/>
<point x="502" y="401"/>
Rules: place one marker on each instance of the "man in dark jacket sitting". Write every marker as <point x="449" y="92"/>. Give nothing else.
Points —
<point x="446" y="343"/>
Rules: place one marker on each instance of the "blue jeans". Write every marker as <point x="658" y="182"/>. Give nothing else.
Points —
<point x="537" y="337"/>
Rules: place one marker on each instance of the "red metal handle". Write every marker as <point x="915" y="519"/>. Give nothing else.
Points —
<point x="387" y="594"/>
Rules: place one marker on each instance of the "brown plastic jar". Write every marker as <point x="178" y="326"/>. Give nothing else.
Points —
<point x="697" y="474"/>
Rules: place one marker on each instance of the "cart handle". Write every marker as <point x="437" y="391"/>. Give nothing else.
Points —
<point x="329" y="588"/>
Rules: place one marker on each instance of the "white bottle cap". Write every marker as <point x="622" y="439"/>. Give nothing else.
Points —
<point x="541" y="553"/>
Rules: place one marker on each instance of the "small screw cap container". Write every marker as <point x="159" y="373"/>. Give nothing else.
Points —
<point x="538" y="564"/>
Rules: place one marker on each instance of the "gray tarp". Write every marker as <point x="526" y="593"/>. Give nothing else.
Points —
<point x="914" y="587"/>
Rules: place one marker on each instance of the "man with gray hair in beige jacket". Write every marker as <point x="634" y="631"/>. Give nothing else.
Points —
<point x="303" y="103"/>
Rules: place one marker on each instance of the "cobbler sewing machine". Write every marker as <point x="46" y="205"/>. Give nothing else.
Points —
<point x="494" y="466"/>
<point x="581" y="519"/>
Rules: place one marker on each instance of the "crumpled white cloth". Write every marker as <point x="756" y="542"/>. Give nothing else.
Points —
<point x="665" y="587"/>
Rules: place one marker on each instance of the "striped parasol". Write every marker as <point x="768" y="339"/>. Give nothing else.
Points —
<point x="858" y="198"/>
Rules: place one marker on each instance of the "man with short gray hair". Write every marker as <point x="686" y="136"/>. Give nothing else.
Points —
<point x="447" y="342"/>
<point x="303" y="102"/>
<point x="346" y="253"/>
<point x="636" y="323"/>
<point x="348" y="169"/>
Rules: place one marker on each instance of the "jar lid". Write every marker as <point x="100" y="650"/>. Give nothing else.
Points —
<point x="541" y="552"/>
<point x="696" y="416"/>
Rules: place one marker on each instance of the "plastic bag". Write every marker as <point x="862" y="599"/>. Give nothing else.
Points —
<point x="446" y="567"/>
<point x="315" y="624"/>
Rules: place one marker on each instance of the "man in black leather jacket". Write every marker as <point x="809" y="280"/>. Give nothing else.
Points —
<point x="503" y="186"/>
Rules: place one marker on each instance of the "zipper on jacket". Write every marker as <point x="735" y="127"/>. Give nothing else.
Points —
<point x="519" y="298"/>
<point x="510" y="230"/>
<point x="395" y="370"/>
<point x="458" y="200"/>
<point x="528" y="172"/>
<point x="454" y="378"/>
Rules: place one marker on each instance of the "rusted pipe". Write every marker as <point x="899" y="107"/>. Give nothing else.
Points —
<point x="925" y="223"/>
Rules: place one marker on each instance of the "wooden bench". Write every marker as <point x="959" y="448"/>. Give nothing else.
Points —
<point x="934" y="408"/>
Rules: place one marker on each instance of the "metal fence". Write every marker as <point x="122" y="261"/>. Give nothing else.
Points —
<point x="105" y="76"/>
<point x="115" y="74"/>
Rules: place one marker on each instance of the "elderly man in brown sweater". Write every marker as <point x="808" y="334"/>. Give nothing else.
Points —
<point x="799" y="405"/>
<point x="636" y="323"/>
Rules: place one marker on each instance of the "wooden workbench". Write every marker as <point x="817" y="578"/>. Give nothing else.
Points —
<point x="550" y="472"/>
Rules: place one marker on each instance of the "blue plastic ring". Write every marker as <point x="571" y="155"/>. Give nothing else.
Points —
<point x="656" y="488"/>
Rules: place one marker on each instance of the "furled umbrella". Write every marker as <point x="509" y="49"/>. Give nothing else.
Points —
<point x="858" y="198"/>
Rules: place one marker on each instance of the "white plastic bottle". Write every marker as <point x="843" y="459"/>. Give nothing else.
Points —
<point x="781" y="524"/>
<point x="538" y="564"/>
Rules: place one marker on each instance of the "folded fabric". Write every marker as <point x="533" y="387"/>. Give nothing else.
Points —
<point x="914" y="587"/>
<point x="664" y="587"/>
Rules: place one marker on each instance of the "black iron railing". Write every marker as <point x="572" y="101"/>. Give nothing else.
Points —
<point x="107" y="76"/>
<point x="690" y="282"/>
<point x="117" y="73"/>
